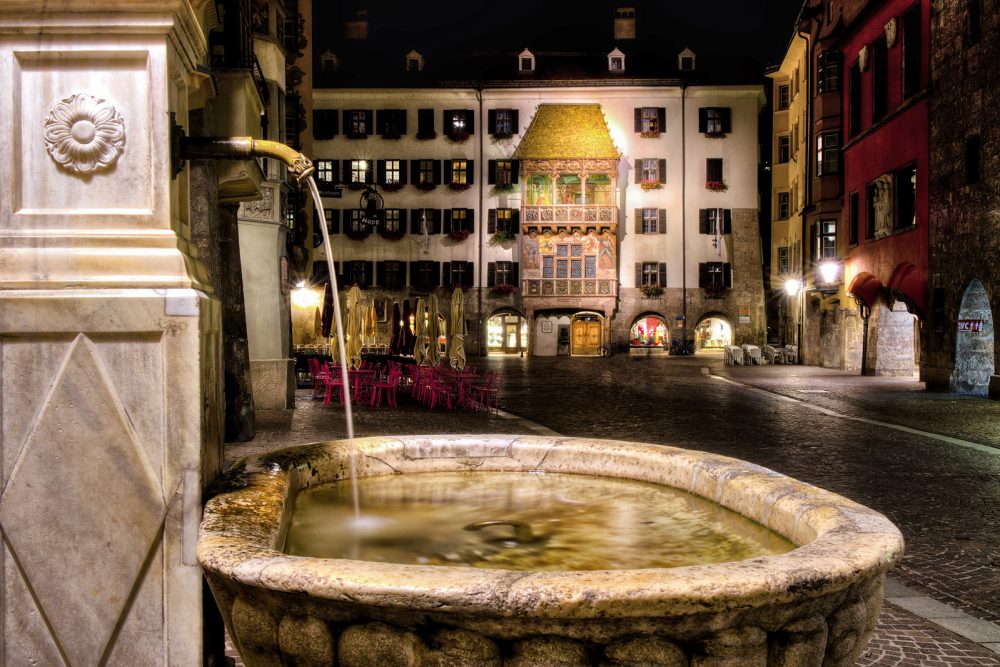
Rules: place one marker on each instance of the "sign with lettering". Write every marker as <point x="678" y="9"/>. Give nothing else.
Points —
<point x="970" y="325"/>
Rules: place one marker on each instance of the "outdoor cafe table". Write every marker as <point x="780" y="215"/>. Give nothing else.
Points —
<point x="461" y="380"/>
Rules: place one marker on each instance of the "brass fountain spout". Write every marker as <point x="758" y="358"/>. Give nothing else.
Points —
<point x="237" y="148"/>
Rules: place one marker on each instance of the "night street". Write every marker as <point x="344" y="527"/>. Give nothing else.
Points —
<point x="943" y="493"/>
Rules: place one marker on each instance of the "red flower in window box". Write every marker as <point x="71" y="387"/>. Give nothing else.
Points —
<point x="458" y="136"/>
<point x="651" y="185"/>
<point x="715" y="135"/>
<point x="716" y="186"/>
<point x="426" y="187"/>
<point x="458" y="235"/>
<point x="650" y="134"/>
<point x="459" y="186"/>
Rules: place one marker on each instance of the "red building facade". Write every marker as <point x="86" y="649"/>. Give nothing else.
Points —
<point x="885" y="165"/>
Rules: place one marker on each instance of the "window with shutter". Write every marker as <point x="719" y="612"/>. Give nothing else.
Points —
<point x="357" y="123"/>
<point x="324" y="124"/>
<point x="714" y="121"/>
<point x="649" y="121"/>
<point x="425" y="124"/>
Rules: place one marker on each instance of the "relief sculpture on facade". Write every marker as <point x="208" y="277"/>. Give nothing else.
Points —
<point x="883" y="206"/>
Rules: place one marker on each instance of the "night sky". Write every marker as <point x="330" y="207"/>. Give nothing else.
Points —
<point x="756" y="30"/>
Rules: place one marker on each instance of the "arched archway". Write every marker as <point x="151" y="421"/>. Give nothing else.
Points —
<point x="587" y="333"/>
<point x="974" y="362"/>
<point x="649" y="330"/>
<point x="713" y="333"/>
<point x="506" y="332"/>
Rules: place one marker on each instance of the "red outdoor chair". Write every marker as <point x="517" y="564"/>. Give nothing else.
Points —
<point x="387" y="387"/>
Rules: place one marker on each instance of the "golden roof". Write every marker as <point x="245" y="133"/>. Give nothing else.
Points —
<point x="567" y="131"/>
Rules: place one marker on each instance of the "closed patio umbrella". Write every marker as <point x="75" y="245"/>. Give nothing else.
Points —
<point x="371" y="325"/>
<point x="420" y="331"/>
<point x="433" y="353"/>
<point x="352" y="335"/>
<point x="456" y="330"/>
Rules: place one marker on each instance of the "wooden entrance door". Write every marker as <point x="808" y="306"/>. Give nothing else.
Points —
<point x="586" y="337"/>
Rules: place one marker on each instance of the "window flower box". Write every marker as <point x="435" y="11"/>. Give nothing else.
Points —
<point x="357" y="234"/>
<point x="426" y="187"/>
<point x="458" y="136"/>
<point x="355" y="135"/>
<point x="459" y="186"/>
<point x="650" y="134"/>
<point x="503" y="135"/>
<point x="458" y="235"/>
<point x="394" y="186"/>
<point x="503" y="187"/>
<point x="715" y="135"/>
<point x="503" y="291"/>
<point x="503" y="237"/>
<point x="651" y="185"/>
<point x="425" y="136"/>
<point x="651" y="291"/>
<point x="358" y="186"/>
<point x="391" y="236"/>
<point x="715" y="292"/>
<point x="391" y="135"/>
<point x="716" y="186"/>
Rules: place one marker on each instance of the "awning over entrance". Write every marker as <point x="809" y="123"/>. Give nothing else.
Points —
<point x="567" y="131"/>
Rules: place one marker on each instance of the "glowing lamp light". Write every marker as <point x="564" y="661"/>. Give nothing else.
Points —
<point x="305" y="298"/>
<point x="792" y="286"/>
<point x="828" y="271"/>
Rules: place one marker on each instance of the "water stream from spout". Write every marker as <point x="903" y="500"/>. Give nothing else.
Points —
<point x="338" y="322"/>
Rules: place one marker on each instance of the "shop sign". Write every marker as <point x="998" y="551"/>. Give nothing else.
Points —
<point x="744" y="314"/>
<point x="970" y="325"/>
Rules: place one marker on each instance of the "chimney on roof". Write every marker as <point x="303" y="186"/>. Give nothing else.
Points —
<point x="356" y="28"/>
<point x="625" y="23"/>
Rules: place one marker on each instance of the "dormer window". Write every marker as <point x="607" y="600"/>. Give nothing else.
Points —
<point x="526" y="62"/>
<point x="616" y="61"/>
<point x="328" y="61"/>
<point x="414" y="61"/>
<point x="686" y="60"/>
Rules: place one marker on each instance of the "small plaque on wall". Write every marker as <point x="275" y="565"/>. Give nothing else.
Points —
<point x="546" y="327"/>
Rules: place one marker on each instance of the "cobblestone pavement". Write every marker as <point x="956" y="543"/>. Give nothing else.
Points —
<point x="944" y="497"/>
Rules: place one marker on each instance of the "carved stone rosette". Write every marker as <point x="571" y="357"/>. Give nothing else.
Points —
<point x="84" y="134"/>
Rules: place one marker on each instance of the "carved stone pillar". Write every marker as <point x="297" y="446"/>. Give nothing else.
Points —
<point x="109" y="341"/>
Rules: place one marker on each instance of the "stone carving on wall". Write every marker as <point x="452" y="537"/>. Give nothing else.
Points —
<point x="883" y="206"/>
<point x="260" y="209"/>
<point x="84" y="134"/>
<point x="890" y="33"/>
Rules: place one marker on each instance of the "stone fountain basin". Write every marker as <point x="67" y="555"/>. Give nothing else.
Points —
<point x="817" y="604"/>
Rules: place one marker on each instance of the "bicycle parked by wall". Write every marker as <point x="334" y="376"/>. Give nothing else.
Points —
<point x="608" y="349"/>
<point x="686" y="349"/>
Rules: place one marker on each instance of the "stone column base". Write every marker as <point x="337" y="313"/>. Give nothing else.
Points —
<point x="273" y="383"/>
<point x="936" y="378"/>
<point x="995" y="387"/>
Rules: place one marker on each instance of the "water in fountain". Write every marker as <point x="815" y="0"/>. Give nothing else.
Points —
<point x="338" y="322"/>
<point x="533" y="521"/>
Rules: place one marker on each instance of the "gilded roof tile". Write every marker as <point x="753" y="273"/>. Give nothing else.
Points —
<point x="567" y="131"/>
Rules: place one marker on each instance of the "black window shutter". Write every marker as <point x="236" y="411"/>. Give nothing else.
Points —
<point x="515" y="124"/>
<point x="347" y="120"/>
<point x="727" y="274"/>
<point x="369" y="168"/>
<point x="448" y="171"/>
<point x="703" y="221"/>
<point x="515" y="168"/>
<point x="368" y="121"/>
<point x="415" y="221"/>
<point x="491" y="122"/>
<point x="515" y="277"/>
<point x="380" y="171"/>
<point x="727" y="120"/>
<point x="401" y="121"/>
<point x="638" y="119"/>
<point x="447" y="274"/>
<point x="470" y="220"/>
<point x="638" y="220"/>
<point x="703" y="120"/>
<point x="470" y="121"/>
<point x="727" y="224"/>
<point x="491" y="274"/>
<point x="702" y="274"/>
<point x="402" y="220"/>
<point x="334" y="227"/>
<point x="661" y="221"/>
<point x="661" y="171"/>
<point x="401" y="279"/>
<point x="369" y="279"/>
<point x="435" y="274"/>
<point x="434" y="224"/>
<point x="638" y="171"/>
<point x="491" y="221"/>
<point x="437" y="172"/>
<point x="491" y="171"/>
<point x="415" y="171"/>
<point x="346" y="172"/>
<point x="380" y="120"/>
<point x="380" y="274"/>
<point x="515" y="221"/>
<point x="662" y="274"/>
<point x="413" y="273"/>
<point x="470" y="171"/>
<point x="661" y="119"/>
<point x="447" y="222"/>
<point x="447" y="124"/>
<point x="470" y="274"/>
<point x="402" y="172"/>
<point x="638" y="274"/>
